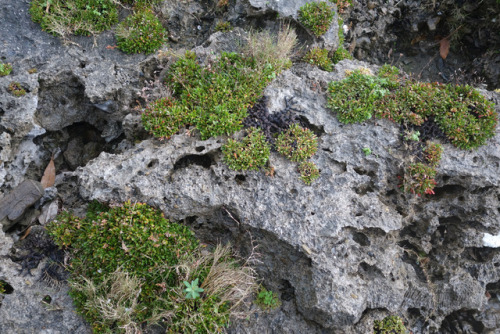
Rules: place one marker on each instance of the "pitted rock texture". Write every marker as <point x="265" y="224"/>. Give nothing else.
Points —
<point x="360" y="238"/>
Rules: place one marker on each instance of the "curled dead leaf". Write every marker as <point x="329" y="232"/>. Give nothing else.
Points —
<point x="49" y="176"/>
<point x="444" y="47"/>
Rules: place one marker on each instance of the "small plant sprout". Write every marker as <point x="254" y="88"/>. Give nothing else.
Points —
<point x="367" y="151"/>
<point x="5" y="69"/>
<point x="192" y="290"/>
<point x="297" y="143"/>
<point x="267" y="300"/>
<point x="308" y="172"/>
<point x="16" y="89"/>
<point x="413" y="136"/>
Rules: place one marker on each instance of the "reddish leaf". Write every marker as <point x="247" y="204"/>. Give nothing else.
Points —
<point x="444" y="47"/>
<point x="49" y="176"/>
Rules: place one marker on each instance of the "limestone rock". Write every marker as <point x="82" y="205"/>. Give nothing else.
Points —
<point x="13" y="205"/>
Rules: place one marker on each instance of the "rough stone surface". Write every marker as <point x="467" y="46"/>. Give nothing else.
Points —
<point x="353" y="239"/>
<point x="13" y="205"/>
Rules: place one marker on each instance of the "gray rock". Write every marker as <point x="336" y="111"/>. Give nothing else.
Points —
<point x="14" y="204"/>
<point x="433" y="22"/>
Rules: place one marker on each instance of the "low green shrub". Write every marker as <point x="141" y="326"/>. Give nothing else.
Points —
<point x="129" y="266"/>
<point x="432" y="153"/>
<point x="141" y="32"/>
<point x="340" y="54"/>
<point x="317" y="17"/>
<point x="390" y="325"/>
<point x="223" y="26"/>
<point x="5" y="69"/>
<point x="215" y="98"/>
<point x="354" y="98"/>
<point x="80" y="17"/>
<point x="308" y="172"/>
<point x="297" y="143"/>
<point x="419" y="179"/>
<point x="16" y="89"/>
<point x="267" y="300"/>
<point x="319" y="57"/>
<point x="250" y="153"/>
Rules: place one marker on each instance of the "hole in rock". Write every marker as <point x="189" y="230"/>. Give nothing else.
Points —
<point x="456" y="321"/>
<point x="47" y="299"/>
<point x="240" y="178"/>
<point x="8" y="289"/>
<point x="287" y="291"/>
<point x="200" y="148"/>
<point x="361" y="239"/>
<point x="451" y="190"/>
<point x="204" y="161"/>
<point x="153" y="163"/>
<point x="481" y="254"/>
<point x="369" y="272"/>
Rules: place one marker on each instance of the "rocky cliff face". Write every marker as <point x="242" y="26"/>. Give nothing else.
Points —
<point x="343" y="252"/>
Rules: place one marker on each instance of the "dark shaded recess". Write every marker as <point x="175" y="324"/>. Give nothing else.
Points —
<point x="449" y="190"/>
<point x="240" y="178"/>
<point x="204" y="161"/>
<point x="200" y="148"/>
<point x="415" y="229"/>
<point x="153" y="163"/>
<point x="47" y="299"/>
<point x="493" y="289"/>
<point x="481" y="254"/>
<point x="287" y="290"/>
<point x="318" y="130"/>
<point x="361" y="239"/>
<point x="369" y="272"/>
<point x="483" y="190"/>
<point x="7" y="287"/>
<point x="461" y="321"/>
<point x="362" y="171"/>
<point x="449" y="233"/>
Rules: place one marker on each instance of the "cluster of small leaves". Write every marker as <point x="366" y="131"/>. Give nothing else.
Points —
<point x="462" y="113"/>
<point x="419" y="179"/>
<point x="308" y="172"/>
<point x="432" y="153"/>
<point x="214" y="98"/>
<point x="267" y="299"/>
<point x="141" y="32"/>
<point x="223" y="26"/>
<point x="16" y="89"/>
<point x="81" y="17"/>
<point x="2" y="288"/>
<point x="297" y="143"/>
<point x="5" y="69"/>
<point x="250" y="153"/>
<point x="317" y="17"/>
<point x="340" y="54"/>
<point x="192" y="290"/>
<point x="390" y="325"/>
<point x="319" y="57"/>
<point x="342" y="5"/>
<point x="133" y="237"/>
<point x="354" y="98"/>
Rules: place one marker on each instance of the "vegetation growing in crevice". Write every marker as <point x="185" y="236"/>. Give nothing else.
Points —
<point x="141" y="32"/>
<point x="79" y="17"/>
<point x="129" y="266"/>
<point x="267" y="299"/>
<point x="465" y="117"/>
<point x="317" y="17"/>
<point x="308" y="172"/>
<point x="16" y="89"/>
<point x="390" y="325"/>
<point x="5" y="69"/>
<point x="250" y="153"/>
<point x="319" y="57"/>
<point x="297" y="143"/>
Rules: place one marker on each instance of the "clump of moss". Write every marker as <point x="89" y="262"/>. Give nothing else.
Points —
<point x="267" y="299"/>
<point x="250" y="153"/>
<point x="16" y="89"/>
<point x="297" y="143"/>
<point x="130" y="266"/>
<point x="5" y="69"/>
<point x="223" y="26"/>
<point x="317" y="17"/>
<point x="390" y="325"/>
<point x="319" y="57"/>
<point x="215" y="98"/>
<point x="340" y="54"/>
<point x="308" y="172"/>
<point x="80" y="17"/>
<point x="140" y="32"/>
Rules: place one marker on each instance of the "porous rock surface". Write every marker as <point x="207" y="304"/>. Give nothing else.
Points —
<point x="353" y="238"/>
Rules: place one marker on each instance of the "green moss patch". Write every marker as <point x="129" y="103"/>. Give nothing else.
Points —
<point x="317" y="17"/>
<point x="319" y="57"/>
<point x="250" y="153"/>
<point x="140" y="32"/>
<point x="80" y="17"/>
<point x="130" y="266"/>
<point x="5" y="69"/>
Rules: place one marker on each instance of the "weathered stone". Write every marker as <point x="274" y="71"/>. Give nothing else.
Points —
<point x="13" y="205"/>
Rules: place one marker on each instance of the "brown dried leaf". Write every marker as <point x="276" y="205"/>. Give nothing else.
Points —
<point x="26" y="233"/>
<point x="49" y="176"/>
<point x="444" y="47"/>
